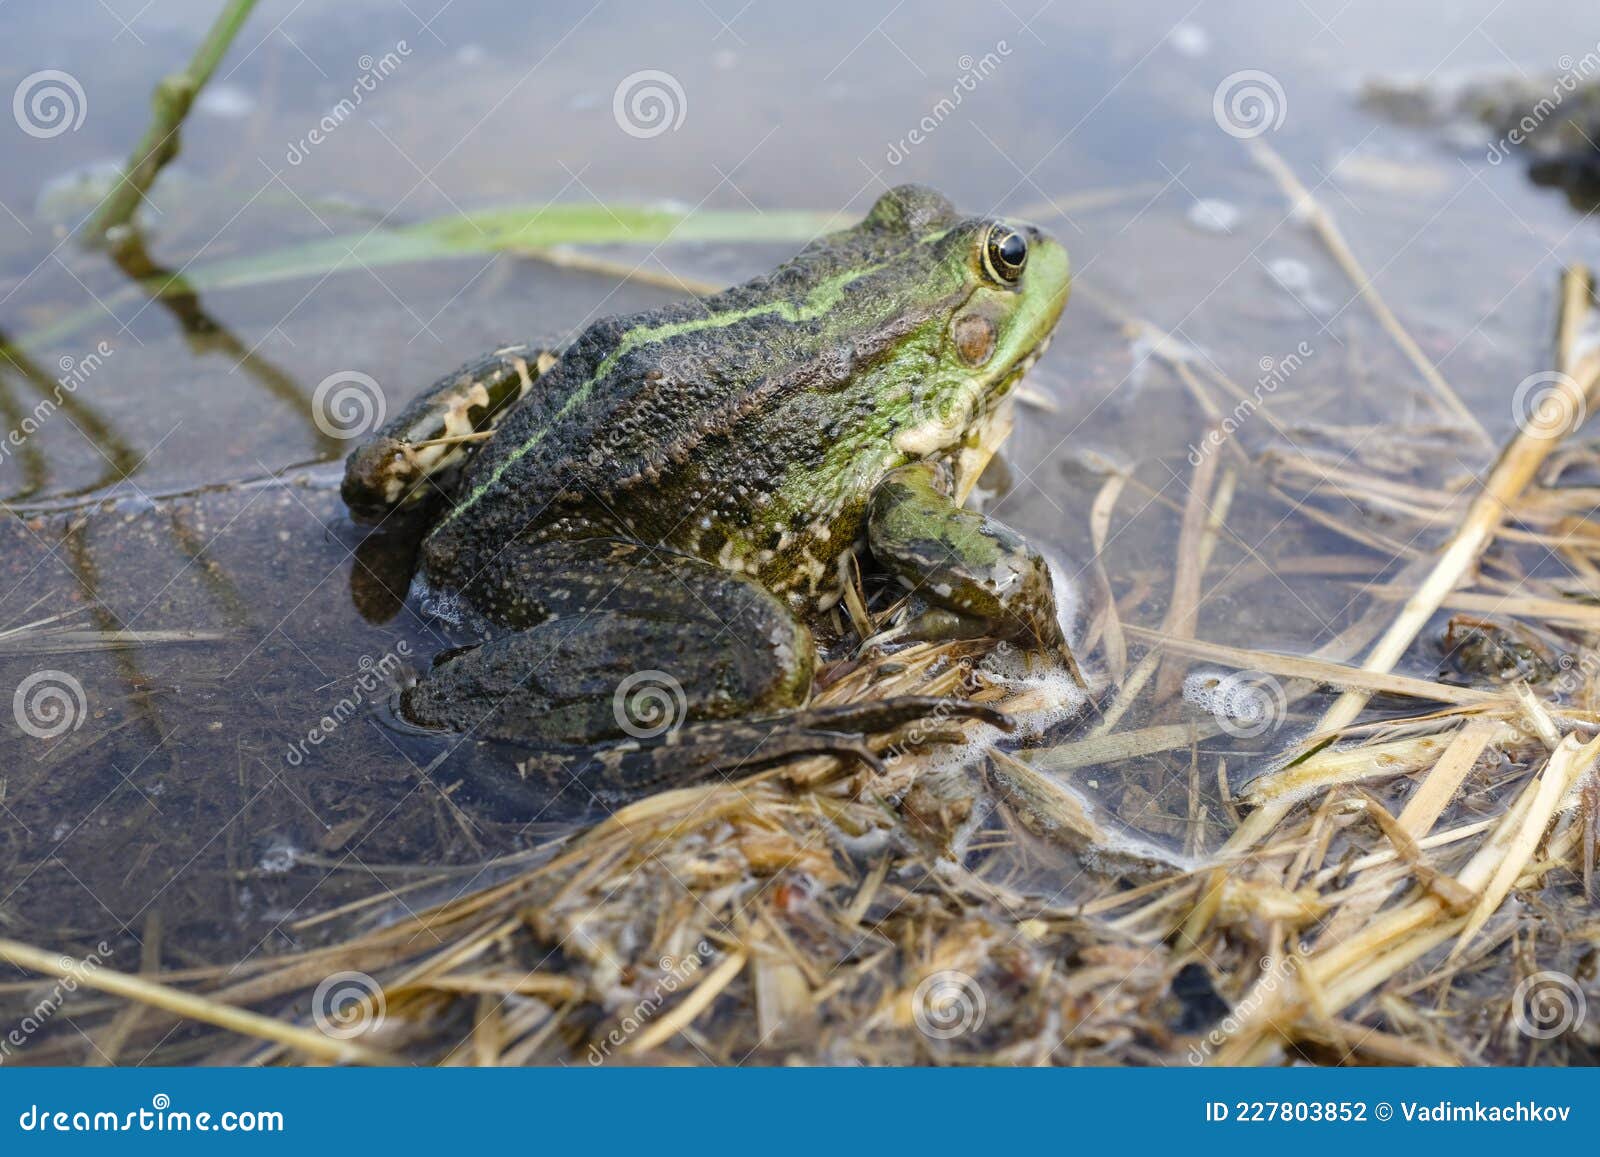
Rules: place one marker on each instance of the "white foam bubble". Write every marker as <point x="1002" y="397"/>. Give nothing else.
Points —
<point x="225" y="102"/>
<point x="1248" y="699"/>
<point x="1293" y="275"/>
<point x="1189" y="40"/>
<point x="279" y="857"/>
<point x="1211" y="215"/>
<point x="446" y="605"/>
<point x="1207" y="691"/>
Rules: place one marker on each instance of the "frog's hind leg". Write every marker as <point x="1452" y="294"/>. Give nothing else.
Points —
<point x="438" y="429"/>
<point x="635" y="668"/>
<point x="607" y="634"/>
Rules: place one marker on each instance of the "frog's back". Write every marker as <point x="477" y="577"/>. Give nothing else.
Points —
<point x="679" y="424"/>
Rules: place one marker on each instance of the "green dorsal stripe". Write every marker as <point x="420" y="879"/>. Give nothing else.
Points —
<point x="819" y="301"/>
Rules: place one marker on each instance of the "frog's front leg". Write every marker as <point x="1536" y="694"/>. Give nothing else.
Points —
<point x="980" y="576"/>
<point x="437" y="430"/>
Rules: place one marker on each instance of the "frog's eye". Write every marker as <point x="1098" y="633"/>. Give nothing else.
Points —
<point x="1005" y="252"/>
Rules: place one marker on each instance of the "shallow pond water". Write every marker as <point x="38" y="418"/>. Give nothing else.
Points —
<point x="176" y="567"/>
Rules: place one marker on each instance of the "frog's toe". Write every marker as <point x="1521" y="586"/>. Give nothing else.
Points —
<point x="728" y="749"/>
<point x="878" y="716"/>
<point x="377" y="476"/>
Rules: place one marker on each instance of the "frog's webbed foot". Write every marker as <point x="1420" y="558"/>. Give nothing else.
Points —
<point x="697" y="752"/>
<point x="438" y="429"/>
<point x="979" y="577"/>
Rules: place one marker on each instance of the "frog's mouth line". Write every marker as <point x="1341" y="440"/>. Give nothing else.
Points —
<point x="1035" y="353"/>
<point x="1006" y="382"/>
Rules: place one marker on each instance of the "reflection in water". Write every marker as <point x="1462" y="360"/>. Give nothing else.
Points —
<point x="1577" y="175"/>
<point x="204" y="334"/>
<point x="193" y="546"/>
<point x="384" y="562"/>
<point x="121" y="458"/>
<point x="140" y="699"/>
<point x="35" y="471"/>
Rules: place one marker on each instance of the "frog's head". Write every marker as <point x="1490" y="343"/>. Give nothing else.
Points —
<point x="978" y="298"/>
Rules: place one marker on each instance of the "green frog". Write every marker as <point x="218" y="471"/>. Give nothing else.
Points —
<point x="652" y="519"/>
